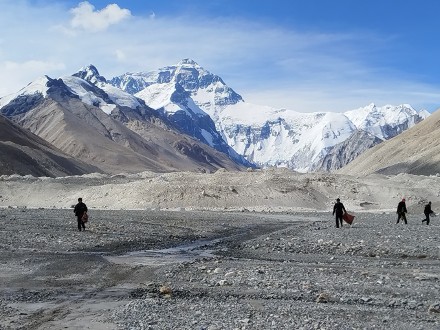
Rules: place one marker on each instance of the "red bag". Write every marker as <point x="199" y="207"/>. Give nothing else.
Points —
<point x="85" y="217"/>
<point x="348" y="218"/>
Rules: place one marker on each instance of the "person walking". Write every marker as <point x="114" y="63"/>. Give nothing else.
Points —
<point x="339" y="210"/>
<point x="428" y="211"/>
<point x="79" y="211"/>
<point x="401" y="211"/>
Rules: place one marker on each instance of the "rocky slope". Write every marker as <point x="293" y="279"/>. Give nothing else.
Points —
<point x="72" y="115"/>
<point x="414" y="151"/>
<point x="23" y="153"/>
<point x="264" y="135"/>
<point x="179" y="113"/>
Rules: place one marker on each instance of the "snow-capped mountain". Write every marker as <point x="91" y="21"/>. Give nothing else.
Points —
<point x="191" y="100"/>
<point x="207" y="90"/>
<point x="175" y="92"/>
<point x="264" y="135"/>
<point x="283" y="138"/>
<point x="415" y="151"/>
<point x="178" y="107"/>
<point x="387" y="121"/>
<point x="92" y="93"/>
<point x="107" y="127"/>
<point x="84" y="90"/>
<point x="300" y="141"/>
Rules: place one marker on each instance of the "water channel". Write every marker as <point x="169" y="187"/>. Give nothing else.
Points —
<point x="182" y="253"/>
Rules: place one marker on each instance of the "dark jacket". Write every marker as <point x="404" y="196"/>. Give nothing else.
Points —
<point x="79" y="209"/>
<point x="401" y="207"/>
<point x="339" y="208"/>
<point x="428" y="209"/>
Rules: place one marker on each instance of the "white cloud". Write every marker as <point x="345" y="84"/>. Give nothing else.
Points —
<point x="85" y="16"/>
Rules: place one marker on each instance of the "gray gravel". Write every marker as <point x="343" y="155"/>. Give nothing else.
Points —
<point x="250" y="271"/>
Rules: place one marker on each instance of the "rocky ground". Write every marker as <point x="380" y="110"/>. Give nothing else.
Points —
<point x="217" y="270"/>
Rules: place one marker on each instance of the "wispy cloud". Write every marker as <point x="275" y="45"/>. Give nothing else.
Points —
<point x="342" y="96"/>
<point x="267" y="64"/>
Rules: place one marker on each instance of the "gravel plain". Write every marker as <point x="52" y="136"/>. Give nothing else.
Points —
<point x="149" y="269"/>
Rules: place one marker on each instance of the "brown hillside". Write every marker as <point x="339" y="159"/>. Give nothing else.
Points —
<point x="87" y="133"/>
<point x="24" y="153"/>
<point x="415" y="151"/>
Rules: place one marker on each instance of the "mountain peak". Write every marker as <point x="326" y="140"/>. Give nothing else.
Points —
<point x="187" y="61"/>
<point x="90" y="73"/>
<point x="371" y="106"/>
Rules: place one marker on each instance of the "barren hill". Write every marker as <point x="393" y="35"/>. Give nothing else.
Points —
<point x="83" y="121"/>
<point x="415" y="151"/>
<point x="22" y="152"/>
<point x="86" y="132"/>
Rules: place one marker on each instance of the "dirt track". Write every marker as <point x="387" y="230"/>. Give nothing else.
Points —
<point x="259" y="271"/>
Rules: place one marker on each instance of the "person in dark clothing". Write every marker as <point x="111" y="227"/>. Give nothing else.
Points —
<point x="79" y="211"/>
<point x="401" y="210"/>
<point x="339" y="210"/>
<point x="428" y="211"/>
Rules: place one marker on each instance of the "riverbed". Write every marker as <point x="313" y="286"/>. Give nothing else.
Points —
<point x="145" y="269"/>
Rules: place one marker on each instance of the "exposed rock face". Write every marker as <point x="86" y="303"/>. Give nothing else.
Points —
<point x="414" y="151"/>
<point x="263" y="135"/>
<point x="21" y="105"/>
<point x="69" y="114"/>
<point x="185" y="104"/>
<point x="345" y="152"/>
<point x="178" y="93"/>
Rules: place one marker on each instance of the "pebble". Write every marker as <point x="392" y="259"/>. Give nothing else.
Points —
<point x="297" y="278"/>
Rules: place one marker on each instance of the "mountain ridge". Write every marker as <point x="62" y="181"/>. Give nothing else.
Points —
<point x="187" y="99"/>
<point x="24" y="153"/>
<point x="264" y="135"/>
<point x="414" y="151"/>
<point x="73" y="117"/>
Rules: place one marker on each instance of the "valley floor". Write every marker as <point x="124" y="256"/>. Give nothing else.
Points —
<point x="216" y="270"/>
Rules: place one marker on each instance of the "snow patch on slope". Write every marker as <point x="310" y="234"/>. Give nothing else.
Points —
<point x="37" y="86"/>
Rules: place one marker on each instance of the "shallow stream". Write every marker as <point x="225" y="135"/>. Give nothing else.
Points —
<point x="182" y="253"/>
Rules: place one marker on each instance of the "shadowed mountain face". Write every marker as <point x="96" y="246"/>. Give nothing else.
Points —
<point x="23" y="153"/>
<point x="125" y="140"/>
<point x="345" y="152"/>
<point x="415" y="151"/>
<point x="202" y="105"/>
<point x="183" y="117"/>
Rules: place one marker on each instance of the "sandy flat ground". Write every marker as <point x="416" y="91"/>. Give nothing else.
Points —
<point x="218" y="251"/>
<point x="269" y="190"/>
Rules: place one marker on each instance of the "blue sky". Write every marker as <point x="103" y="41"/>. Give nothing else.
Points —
<point x="315" y="55"/>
